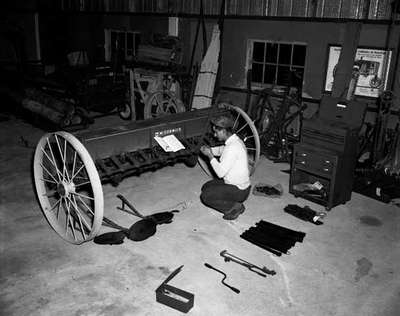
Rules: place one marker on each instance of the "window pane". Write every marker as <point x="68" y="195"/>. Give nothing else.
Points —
<point x="258" y="51"/>
<point x="269" y="75"/>
<point x="285" y="53"/>
<point x="121" y="41"/>
<point x="271" y="54"/>
<point x="297" y="78"/>
<point x="299" y="55"/>
<point x="137" y="42"/>
<point x="257" y="73"/>
<point x="113" y="40"/>
<point x="283" y="76"/>
<point x="129" y="40"/>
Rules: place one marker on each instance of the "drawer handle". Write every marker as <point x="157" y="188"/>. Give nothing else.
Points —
<point x="303" y="162"/>
<point x="327" y="161"/>
<point x="303" y="154"/>
<point x="326" y="169"/>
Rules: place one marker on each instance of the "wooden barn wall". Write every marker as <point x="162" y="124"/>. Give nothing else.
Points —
<point x="316" y="35"/>
<point x="350" y="9"/>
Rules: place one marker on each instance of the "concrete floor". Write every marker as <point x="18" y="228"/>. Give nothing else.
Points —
<point x="348" y="266"/>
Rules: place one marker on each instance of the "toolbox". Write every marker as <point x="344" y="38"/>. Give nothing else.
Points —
<point x="326" y="154"/>
<point x="332" y="170"/>
<point x="336" y="126"/>
<point x="174" y="297"/>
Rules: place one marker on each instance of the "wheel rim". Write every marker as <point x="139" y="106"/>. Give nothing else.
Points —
<point x="244" y="127"/>
<point x="162" y="103"/>
<point x="68" y="187"/>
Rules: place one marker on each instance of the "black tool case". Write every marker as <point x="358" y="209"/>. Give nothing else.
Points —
<point x="174" y="297"/>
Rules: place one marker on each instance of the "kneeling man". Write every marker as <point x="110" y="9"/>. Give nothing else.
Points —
<point x="227" y="193"/>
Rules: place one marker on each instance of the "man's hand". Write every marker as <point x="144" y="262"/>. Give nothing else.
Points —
<point x="206" y="150"/>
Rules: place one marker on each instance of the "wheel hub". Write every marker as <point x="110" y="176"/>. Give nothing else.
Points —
<point x="65" y="188"/>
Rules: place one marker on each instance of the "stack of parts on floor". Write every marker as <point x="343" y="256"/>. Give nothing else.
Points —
<point x="141" y="230"/>
<point x="271" y="237"/>
<point x="272" y="191"/>
<point x="305" y="213"/>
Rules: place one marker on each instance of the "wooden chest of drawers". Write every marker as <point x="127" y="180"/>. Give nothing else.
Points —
<point x="328" y="173"/>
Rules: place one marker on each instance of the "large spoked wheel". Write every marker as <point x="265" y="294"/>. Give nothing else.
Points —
<point x="244" y="127"/>
<point x="68" y="187"/>
<point x="162" y="103"/>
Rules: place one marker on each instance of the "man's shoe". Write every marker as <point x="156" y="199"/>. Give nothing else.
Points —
<point x="234" y="212"/>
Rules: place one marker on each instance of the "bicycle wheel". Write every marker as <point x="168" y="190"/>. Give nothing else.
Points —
<point x="162" y="103"/>
<point x="244" y="127"/>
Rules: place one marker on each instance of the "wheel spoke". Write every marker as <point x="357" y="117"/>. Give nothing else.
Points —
<point x="79" y="170"/>
<point x="53" y="163"/>
<point x="80" y="215"/>
<point x="48" y="181"/>
<point x="82" y="195"/>
<point x="55" y="204"/>
<point x="58" y="209"/>
<point x="81" y="178"/>
<point x="65" y="158"/>
<point x="50" y="193"/>
<point x="247" y="137"/>
<point x="73" y="165"/>
<point x="52" y="155"/>
<point x="71" y="218"/>
<point x="80" y="184"/>
<point x="80" y="218"/>
<point x="238" y="131"/>
<point x="236" y="120"/>
<point x="68" y="215"/>
<point x="88" y="208"/>
<point x="48" y="172"/>
<point x="61" y="154"/>
<point x="158" y="103"/>
<point x="171" y="107"/>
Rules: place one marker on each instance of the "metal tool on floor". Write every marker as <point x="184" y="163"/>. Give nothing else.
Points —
<point x="157" y="218"/>
<point x="132" y="211"/>
<point x="305" y="213"/>
<point x="223" y="279"/>
<point x="229" y="257"/>
<point x="139" y="231"/>
<point x="173" y="297"/>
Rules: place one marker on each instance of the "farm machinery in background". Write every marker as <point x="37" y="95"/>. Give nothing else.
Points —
<point x="74" y="98"/>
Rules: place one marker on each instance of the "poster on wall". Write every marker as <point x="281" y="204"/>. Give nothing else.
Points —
<point x="372" y="66"/>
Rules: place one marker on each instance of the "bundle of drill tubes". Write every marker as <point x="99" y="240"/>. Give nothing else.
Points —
<point x="272" y="237"/>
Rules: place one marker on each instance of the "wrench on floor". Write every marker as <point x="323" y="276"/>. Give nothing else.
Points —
<point x="223" y="279"/>
<point x="229" y="257"/>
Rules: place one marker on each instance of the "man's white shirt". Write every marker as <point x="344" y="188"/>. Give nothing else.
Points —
<point x="233" y="164"/>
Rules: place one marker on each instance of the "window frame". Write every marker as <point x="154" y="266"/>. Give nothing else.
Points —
<point x="250" y="62"/>
<point x="108" y="44"/>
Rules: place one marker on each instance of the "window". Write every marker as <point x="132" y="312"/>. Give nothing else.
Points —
<point x="275" y="63"/>
<point x="123" y="42"/>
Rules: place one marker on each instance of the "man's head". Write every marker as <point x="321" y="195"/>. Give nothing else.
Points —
<point x="222" y="126"/>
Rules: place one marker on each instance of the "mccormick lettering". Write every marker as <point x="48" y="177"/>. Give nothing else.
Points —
<point x="168" y="131"/>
